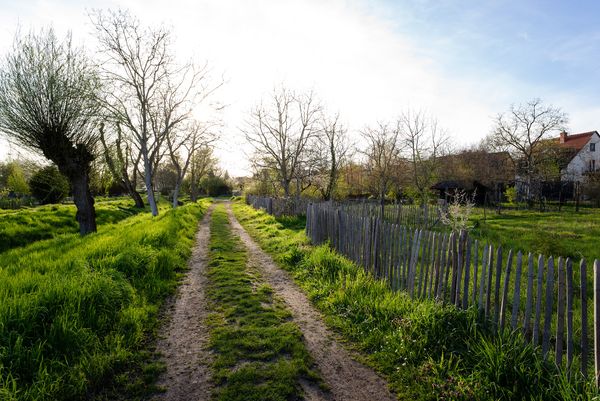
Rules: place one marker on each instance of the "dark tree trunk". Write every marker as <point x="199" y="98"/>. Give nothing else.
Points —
<point x="86" y="212"/>
<point x="75" y="164"/>
<point x="135" y="195"/>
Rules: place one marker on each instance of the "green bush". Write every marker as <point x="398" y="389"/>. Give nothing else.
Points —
<point x="48" y="185"/>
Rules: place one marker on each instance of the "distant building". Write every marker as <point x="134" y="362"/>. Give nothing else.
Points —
<point x="585" y="157"/>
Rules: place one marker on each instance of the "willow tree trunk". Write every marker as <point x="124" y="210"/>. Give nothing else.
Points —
<point x="86" y="212"/>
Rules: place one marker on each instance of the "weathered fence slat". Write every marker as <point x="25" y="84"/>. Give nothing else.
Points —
<point x="538" y="302"/>
<point x="529" y="300"/>
<point x="569" y="288"/>
<point x="597" y="321"/>
<point x="517" y="294"/>
<point x="497" y="283"/>
<point x="548" y="314"/>
<point x="465" y="303"/>
<point x="560" y="313"/>
<point x="505" y="289"/>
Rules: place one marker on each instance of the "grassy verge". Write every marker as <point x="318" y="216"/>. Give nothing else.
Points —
<point x="426" y="350"/>
<point x="77" y="312"/>
<point x="24" y="226"/>
<point x="259" y="353"/>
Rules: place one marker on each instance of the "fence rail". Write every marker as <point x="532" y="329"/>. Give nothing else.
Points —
<point x="547" y="299"/>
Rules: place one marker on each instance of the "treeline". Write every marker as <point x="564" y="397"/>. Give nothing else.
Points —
<point x="301" y="149"/>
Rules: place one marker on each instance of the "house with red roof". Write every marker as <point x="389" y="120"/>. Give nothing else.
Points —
<point x="586" y="154"/>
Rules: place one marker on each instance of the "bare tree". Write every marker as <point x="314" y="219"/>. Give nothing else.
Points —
<point x="382" y="157"/>
<point x="122" y="160"/>
<point x="183" y="146"/>
<point x="48" y="91"/>
<point x="423" y="142"/>
<point x="281" y="131"/>
<point x="333" y="151"/>
<point x="147" y="91"/>
<point x="521" y="130"/>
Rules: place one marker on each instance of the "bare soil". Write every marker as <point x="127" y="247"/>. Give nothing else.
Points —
<point x="346" y="378"/>
<point x="183" y="341"/>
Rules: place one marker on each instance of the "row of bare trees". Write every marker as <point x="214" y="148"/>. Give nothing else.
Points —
<point x="296" y="141"/>
<point x="132" y="106"/>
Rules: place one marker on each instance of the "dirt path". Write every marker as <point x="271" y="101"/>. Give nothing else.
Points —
<point x="183" y="342"/>
<point x="346" y="378"/>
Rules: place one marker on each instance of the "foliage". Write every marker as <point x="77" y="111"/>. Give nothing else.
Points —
<point x="215" y="185"/>
<point x="511" y="195"/>
<point x="76" y="311"/>
<point x="48" y="185"/>
<point x="426" y="350"/>
<point x="259" y="353"/>
<point x="458" y="212"/>
<point x="15" y="181"/>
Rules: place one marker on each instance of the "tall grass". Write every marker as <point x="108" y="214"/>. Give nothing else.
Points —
<point x="426" y="350"/>
<point x="74" y="310"/>
<point x="24" y="226"/>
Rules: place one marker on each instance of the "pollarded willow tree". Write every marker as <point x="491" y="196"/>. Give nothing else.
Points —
<point x="48" y="92"/>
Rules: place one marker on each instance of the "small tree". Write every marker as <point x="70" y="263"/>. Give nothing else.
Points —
<point x="457" y="215"/>
<point x="48" y="92"/>
<point x="16" y="181"/>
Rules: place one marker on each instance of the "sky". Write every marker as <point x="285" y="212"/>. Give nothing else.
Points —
<point x="461" y="61"/>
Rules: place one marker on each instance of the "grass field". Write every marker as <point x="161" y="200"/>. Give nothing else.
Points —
<point x="568" y="233"/>
<point x="24" y="226"/>
<point x="426" y="350"/>
<point x="258" y="350"/>
<point x="75" y="312"/>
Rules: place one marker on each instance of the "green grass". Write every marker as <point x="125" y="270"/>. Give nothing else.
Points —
<point x="76" y="312"/>
<point x="426" y="350"/>
<point x="259" y="353"/>
<point x="24" y="226"/>
<point x="568" y="234"/>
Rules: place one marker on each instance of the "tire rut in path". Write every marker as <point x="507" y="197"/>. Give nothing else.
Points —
<point x="347" y="379"/>
<point x="183" y="341"/>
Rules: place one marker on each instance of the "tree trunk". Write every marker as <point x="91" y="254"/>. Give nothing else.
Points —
<point x="86" y="213"/>
<point x="135" y="195"/>
<point x="176" y="194"/>
<point x="193" y="189"/>
<point x="286" y="187"/>
<point x="149" y="187"/>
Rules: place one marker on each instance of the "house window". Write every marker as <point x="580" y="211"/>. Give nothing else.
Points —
<point x="592" y="147"/>
<point x="592" y="165"/>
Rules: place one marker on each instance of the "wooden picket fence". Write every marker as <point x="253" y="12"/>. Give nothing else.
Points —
<point x="292" y="206"/>
<point x="426" y="216"/>
<point x="510" y="289"/>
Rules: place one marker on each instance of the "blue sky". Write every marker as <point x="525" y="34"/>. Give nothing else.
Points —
<point x="370" y="60"/>
<point x="550" y="44"/>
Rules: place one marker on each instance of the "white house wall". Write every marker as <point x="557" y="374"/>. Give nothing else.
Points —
<point x="581" y="162"/>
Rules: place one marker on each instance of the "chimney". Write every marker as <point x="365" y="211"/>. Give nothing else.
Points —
<point x="563" y="137"/>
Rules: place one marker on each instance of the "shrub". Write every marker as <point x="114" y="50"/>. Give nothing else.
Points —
<point x="48" y="185"/>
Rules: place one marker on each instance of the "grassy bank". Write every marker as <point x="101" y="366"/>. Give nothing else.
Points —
<point x="426" y="350"/>
<point x="24" y="226"/>
<point x="75" y="312"/>
<point x="259" y="353"/>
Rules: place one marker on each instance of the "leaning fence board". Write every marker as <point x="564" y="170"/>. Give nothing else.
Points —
<point x="497" y="283"/>
<point x="488" y="289"/>
<point x="465" y="303"/>
<point x="475" y="271"/>
<point x="484" y="262"/>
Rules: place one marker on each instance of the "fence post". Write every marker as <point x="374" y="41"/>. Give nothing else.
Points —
<point x="560" y="313"/>
<point x="505" y="289"/>
<point x="548" y="314"/>
<point x="584" y="318"/>
<point x="538" y="302"/>
<point x="528" y="302"/>
<point x="517" y="294"/>
<point x="569" y="313"/>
